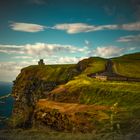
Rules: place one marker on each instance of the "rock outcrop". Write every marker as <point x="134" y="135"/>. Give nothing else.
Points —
<point x="32" y="84"/>
<point x="69" y="117"/>
<point x="26" y="96"/>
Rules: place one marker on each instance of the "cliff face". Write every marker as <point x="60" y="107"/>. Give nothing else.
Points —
<point x="32" y="84"/>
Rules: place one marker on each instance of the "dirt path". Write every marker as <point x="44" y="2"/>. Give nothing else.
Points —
<point x="70" y="107"/>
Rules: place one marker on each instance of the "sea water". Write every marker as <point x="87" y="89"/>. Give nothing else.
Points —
<point x="6" y="104"/>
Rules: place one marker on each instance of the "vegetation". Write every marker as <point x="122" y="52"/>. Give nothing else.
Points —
<point x="35" y="134"/>
<point x="110" y="108"/>
<point x="53" y="73"/>
<point x="90" y="91"/>
<point x="92" y="65"/>
<point x="66" y="72"/>
<point x="85" y="90"/>
<point x="79" y="88"/>
<point x="128" y="65"/>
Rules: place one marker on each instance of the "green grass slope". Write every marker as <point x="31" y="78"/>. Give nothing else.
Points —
<point x="127" y="65"/>
<point x="92" y="65"/>
<point x="50" y="73"/>
<point x="86" y="90"/>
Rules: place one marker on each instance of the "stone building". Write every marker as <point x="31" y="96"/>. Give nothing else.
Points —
<point x="41" y="62"/>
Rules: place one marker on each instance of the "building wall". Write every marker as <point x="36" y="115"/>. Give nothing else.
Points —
<point x="102" y="78"/>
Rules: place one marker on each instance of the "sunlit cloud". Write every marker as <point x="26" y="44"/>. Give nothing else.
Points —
<point x="108" y="51"/>
<point x="9" y="49"/>
<point x="69" y="60"/>
<point x="41" y="49"/>
<point x="27" y="27"/>
<point x="135" y="26"/>
<point x="9" y="70"/>
<point x="73" y="28"/>
<point x="129" y="38"/>
<point x="82" y="27"/>
<point x="22" y="57"/>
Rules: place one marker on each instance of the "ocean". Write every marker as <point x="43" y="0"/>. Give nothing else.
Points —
<point x="6" y="104"/>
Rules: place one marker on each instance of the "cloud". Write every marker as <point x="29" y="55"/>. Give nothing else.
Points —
<point x="43" y="50"/>
<point x="129" y="38"/>
<point x="22" y="57"/>
<point x="87" y="43"/>
<point x="69" y="60"/>
<point x="50" y="49"/>
<point x="135" y="26"/>
<point x="27" y="27"/>
<point x="73" y="28"/>
<point x="7" y="67"/>
<point x="11" y="49"/>
<point x="107" y="51"/>
<point x="81" y="27"/>
<point x="12" y="66"/>
<point x="112" y="51"/>
<point x="39" y="49"/>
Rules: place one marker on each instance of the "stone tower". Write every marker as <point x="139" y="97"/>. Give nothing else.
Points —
<point x="40" y="62"/>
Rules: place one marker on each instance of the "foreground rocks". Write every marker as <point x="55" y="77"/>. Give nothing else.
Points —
<point x="70" y="117"/>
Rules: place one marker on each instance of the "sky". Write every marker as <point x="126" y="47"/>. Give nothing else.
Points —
<point x="65" y="31"/>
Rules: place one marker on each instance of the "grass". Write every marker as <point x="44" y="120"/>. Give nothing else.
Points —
<point x="91" y="91"/>
<point x="128" y="65"/>
<point x="50" y="72"/>
<point x="35" y="134"/>
<point x="84" y="90"/>
<point x="92" y="65"/>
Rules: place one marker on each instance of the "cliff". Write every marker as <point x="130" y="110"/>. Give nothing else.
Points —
<point x="64" y="98"/>
<point x="34" y="83"/>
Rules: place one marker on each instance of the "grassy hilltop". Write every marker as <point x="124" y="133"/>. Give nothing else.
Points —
<point x="128" y="65"/>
